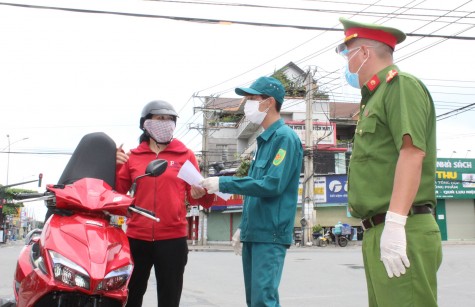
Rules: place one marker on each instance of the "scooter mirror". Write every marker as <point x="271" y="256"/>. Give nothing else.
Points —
<point x="156" y="167"/>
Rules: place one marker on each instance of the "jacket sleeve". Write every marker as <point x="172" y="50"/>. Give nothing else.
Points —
<point x="122" y="178"/>
<point x="277" y="173"/>
<point x="205" y="201"/>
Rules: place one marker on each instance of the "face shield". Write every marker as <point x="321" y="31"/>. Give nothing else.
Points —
<point x="342" y="49"/>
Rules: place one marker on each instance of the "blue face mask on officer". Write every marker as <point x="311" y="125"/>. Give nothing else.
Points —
<point x="353" y="78"/>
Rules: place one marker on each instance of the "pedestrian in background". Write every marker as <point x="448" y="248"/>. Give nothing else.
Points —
<point x="392" y="170"/>
<point x="162" y="245"/>
<point x="271" y="191"/>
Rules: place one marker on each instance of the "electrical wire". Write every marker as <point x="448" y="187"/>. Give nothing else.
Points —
<point x="211" y="20"/>
<point x="319" y="10"/>
<point x="324" y="29"/>
<point x="455" y="112"/>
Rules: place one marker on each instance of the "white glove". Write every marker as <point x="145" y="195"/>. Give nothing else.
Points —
<point x="236" y="243"/>
<point x="393" y="245"/>
<point x="211" y="184"/>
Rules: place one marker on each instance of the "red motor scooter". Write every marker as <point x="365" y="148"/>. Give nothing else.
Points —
<point x="80" y="258"/>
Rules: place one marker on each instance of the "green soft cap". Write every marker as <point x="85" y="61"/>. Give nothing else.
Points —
<point x="264" y="86"/>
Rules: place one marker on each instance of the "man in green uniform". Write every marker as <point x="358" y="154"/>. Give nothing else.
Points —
<point x="271" y="190"/>
<point x="392" y="170"/>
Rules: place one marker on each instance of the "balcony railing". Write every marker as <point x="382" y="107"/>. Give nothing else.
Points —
<point x="246" y="128"/>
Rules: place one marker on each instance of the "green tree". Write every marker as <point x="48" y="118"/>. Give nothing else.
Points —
<point x="292" y="88"/>
<point x="297" y="88"/>
<point x="10" y="208"/>
<point x="243" y="168"/>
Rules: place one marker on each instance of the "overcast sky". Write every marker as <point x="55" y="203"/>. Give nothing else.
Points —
<point x="64" y="74"/>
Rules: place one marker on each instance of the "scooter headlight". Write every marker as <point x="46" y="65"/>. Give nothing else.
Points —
<point x="68" y="272"/>
<point x="115" y="279"/>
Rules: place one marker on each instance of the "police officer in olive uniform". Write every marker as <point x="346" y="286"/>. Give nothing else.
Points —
<point x="392" y="170"/>
<point x="271" y="191"/>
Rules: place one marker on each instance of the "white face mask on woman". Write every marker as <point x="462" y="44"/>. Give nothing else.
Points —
<point x="252" y="113"/>
<point x="161" y="131"/>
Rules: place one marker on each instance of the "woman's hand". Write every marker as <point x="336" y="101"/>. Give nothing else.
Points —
<point x="121" y="157"/>
<point x="197" y="192"/>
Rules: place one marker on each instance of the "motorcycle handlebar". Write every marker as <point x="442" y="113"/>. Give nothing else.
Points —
<point x="20" y="196"/>
<point x="144" y="212"/>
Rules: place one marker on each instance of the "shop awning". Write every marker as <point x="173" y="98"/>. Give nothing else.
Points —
<point x="232" y="211"/>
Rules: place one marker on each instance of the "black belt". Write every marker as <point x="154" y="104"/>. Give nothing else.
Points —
<point x="380" y="218"/>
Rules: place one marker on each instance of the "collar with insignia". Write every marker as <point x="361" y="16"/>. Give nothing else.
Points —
<point x="387" y="74"/>
<point x="391" y="74"/>
<point x="373" y="83"/>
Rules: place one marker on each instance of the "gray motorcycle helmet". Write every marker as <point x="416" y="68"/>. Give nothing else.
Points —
<point x="157" y="107"/>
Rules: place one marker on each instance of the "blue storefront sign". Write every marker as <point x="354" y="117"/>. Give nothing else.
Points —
<point x="337" y="189"/>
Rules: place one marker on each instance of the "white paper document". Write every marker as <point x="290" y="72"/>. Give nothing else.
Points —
<point x="190" y="175"/>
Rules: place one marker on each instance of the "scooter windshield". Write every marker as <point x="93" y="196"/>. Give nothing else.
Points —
<point x="94" y="157"/>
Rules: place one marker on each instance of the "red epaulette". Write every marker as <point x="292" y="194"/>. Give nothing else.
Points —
<point x="373" y="83"/>
<point x="391" y="74"/>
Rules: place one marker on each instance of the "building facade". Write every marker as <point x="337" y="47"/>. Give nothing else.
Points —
<point x="455" y="189"/>
<point x="231" y="138"/>
<point x="330" y="150"/>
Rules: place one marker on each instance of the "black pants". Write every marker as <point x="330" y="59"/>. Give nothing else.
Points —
<point x="169" y="258"/>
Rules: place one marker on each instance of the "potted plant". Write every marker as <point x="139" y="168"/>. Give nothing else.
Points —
<point x="316" y="230"/>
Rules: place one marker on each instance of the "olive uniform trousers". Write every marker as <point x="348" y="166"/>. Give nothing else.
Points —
<point x="418" y="287"/>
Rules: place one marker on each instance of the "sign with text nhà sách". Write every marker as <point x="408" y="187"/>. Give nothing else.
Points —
<point x="455" y="178"/>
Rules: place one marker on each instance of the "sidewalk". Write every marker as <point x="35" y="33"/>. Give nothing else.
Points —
<point x="226" y="246"/>
<point x="214" y="247"/>
<point x="12" y="243"/>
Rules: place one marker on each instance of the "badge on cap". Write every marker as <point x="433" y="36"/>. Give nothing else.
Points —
<point x="279" y="157"/>
<point x="387" y="35"/>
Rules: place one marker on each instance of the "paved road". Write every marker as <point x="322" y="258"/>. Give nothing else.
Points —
<point x="313" y="276"/>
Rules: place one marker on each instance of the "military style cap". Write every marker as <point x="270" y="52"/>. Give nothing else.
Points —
<point x="387" y="35"/>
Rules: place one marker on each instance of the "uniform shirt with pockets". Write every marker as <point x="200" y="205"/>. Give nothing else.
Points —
<point x="393" y="104"/>
<point x="271" y="187"/>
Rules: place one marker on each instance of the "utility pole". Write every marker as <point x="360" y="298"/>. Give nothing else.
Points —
<point x="204" y="151"/>
<point x="205" y="131"/>
<point x="203" y="218"/>
<point x="9" y="151"/>
<point x="8" y="156"/>
<point x="307" y="199"/>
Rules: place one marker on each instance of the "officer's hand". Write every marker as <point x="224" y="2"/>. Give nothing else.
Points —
<point x="211" y="184"/>
<point x="393" y="245"/>
<point x="236" y="243"/>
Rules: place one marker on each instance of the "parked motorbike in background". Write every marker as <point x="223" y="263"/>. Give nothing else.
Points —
<point x="320" y="239"/>
<point x="80" y="258"/>
<point x="330" y="238"/>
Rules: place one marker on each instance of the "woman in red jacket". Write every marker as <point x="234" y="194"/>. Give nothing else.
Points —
<point x="161" y="244"/>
